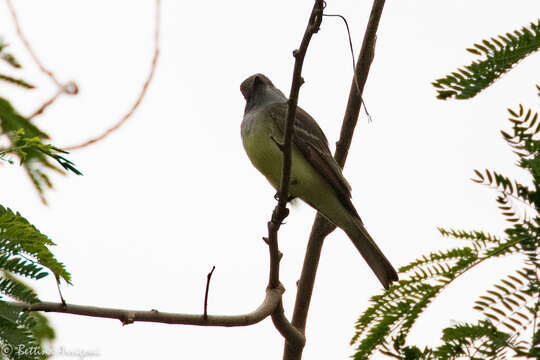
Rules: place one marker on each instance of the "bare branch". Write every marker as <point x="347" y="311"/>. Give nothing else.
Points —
<point x="355" y="94"/>
<point x="208" y="278"/>
<point x="271" y="301"/>
<point x="291" y="334"/>
<point x="70" y="88"/>
<point x="141" y="94"/>
<point x="285" y="328"/>
<point x="281" y="211"/>
<point x="322" y="227"/>
<point x="297" y="81"/>
<point x="29" y="48"/>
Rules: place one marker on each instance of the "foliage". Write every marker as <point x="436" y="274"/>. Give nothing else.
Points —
<point x="10" y="60"/>
<point x="24" y="250"/>
<point x="498" y="55"/>
<point x="26" y="139"/>
<point x="510" y="307"/>
<point x="26" y="148"/>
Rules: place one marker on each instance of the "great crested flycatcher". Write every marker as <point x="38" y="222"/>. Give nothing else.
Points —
<point x="316" y="177"/>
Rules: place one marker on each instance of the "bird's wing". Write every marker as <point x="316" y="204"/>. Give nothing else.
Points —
<point x="311" y="141"/>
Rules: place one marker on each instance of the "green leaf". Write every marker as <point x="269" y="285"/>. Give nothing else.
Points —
<point x="19" y="237"/>
<point x="499" y="59"/>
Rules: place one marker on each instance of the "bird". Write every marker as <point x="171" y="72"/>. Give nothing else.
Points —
<point x="316" y="177"/>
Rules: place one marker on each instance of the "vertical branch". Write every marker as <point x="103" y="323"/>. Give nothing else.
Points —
<point x="297" y="81"/>
<point x="291" y="334"/>
<point x="208" y="278"/>
<point x="321" y="227"/>
<point x="281" y="211"/>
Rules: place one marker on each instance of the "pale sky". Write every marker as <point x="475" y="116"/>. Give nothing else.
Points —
<point x="172" y="193"/>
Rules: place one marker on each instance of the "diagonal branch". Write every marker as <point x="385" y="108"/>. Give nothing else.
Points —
<point x="367" y="52"/>
<point x="141" y="94"/>
<point x="271" y="301"/>
<point x="69" y="88"/>
<point x="322" y="227"/>
<point x="29" y="48"/>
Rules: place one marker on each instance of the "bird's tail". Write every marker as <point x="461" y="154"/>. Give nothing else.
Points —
<point x="372" y="254"/>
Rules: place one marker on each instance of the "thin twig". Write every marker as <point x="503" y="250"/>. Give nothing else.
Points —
<point x="28" y="47"/>
<point x="141" y="94"/>
<point x="70" y="88"/>
<point x="272" y="299"/>
<point x="355" y="78"/>
<point x="62" y="300"/>
<point x="322" y="227"/>
<point x="208" y="278"/>
<point x="355" y="95"/>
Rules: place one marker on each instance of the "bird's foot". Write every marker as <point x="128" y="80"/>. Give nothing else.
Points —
<point x="277" y="218"/>
<point x="291" y="197"/>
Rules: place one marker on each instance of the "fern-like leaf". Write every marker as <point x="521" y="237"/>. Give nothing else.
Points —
<point x="510" y="307"/>
<point x="27" y="143"/>
<point x="498" y="55"/>
<point x="20" y="238"/>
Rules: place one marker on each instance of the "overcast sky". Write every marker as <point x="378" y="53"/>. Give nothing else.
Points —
<point x="172" y="193"/>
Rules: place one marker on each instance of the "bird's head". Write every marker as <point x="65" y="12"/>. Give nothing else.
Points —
<point x="254" y="83"/>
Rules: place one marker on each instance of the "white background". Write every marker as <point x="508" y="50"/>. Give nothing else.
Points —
<point x="172" y="193"/>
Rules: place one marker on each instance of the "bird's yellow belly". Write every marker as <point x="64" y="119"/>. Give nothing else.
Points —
<point x="306" y="183"/>
<point x="266" y="156"/>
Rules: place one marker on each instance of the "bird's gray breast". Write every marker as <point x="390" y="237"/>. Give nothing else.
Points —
<point x="248" y="123"/>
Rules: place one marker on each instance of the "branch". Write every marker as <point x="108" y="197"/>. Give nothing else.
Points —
<point x="141" y="94"/>
<point x="297" y="81"/>
<point x="29" y="48"/>
<point x="281" y="211"/>
<point x="322" y="227"/>
<point x="291" y="334"/>
<point x="271" y="301"/>
<point x="69" y="88"/>
<point x="208" y="278"/>
<point x="363" y="65"/>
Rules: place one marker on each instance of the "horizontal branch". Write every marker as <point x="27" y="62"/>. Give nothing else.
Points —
<point x="270" y="303"/>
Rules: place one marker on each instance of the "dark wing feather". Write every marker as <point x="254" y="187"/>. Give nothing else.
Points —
<point x="311" y="141"/>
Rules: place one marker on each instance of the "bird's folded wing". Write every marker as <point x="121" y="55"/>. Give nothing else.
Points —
<point x="311" y="141"/>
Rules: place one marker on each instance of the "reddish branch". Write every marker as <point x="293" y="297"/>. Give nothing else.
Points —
<point x="28" y="47"/>
<point x="141" y="94"/>
<point x="69" y="88"/>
